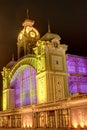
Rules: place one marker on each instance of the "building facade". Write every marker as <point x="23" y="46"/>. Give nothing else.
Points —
<point x="45" y="87"/>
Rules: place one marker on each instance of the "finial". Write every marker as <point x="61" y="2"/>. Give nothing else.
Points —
<point x="27" y="13"/>
<point x="49" y="27"/>
<point x="12" y="57"/>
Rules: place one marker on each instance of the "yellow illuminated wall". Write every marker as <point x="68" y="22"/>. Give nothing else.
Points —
<point x="4" y="100"/>
<point x="41" y="89"/>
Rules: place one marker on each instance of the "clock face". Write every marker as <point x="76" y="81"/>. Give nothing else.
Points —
<point x="32" y="34"/>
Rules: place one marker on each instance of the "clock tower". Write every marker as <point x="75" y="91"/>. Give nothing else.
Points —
<point x="27" y="38"/>
<point x="52" y="75"/>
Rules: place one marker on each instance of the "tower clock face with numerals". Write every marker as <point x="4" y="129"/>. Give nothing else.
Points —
<point x="57" y="62"/>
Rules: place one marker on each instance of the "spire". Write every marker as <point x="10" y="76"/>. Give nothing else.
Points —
<point x="27" y="21"/>
<point x="27" y="14"/>
<point x="49" y="27"/>
<point x="12" y="57"/>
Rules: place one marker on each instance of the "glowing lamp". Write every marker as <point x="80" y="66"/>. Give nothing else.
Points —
<point x="28" y="125"/>
<point x="86" y="124"/>
<point x="24" y="125"/>
<point x="82" y="125"/>
<point x="75" y="125"/>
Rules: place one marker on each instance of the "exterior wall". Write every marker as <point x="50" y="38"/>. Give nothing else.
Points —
<point x="44" y="100"/>
<point x="53" y="90"/>
<point x="79" y="116"/>
<point x="5" y="99"/>
<point x="57" y="71"/>
<point x="51" y="84"/>
<point x="10" y="121"/>
<point x="11" y="100"/>
<point x="27" y="120"/>
<point x="8" y="99"/>
<point x="41" y="88"/>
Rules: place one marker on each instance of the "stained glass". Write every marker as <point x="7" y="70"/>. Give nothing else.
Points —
<point x="71" y="64"/>
<point x="82" y="65"/>
<point x="24" y="83"/>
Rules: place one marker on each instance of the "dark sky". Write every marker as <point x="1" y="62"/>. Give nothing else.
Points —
<point x="68" y="18"/>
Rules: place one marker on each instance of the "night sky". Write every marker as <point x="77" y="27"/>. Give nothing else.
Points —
<point x="68" y="18"/>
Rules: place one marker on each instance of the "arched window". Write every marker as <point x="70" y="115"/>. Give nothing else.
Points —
<point x="24" y="84"/>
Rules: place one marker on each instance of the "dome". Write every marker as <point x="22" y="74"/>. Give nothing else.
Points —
<point x="28" y="33"/>
<point x="10" y="64"/>
<point x="28" y="22"/>
<point x="27" y="38"/>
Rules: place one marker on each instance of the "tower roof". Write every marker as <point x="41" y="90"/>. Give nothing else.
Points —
<point x="49" y="36"/>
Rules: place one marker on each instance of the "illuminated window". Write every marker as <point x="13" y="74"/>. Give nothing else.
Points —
<point x="24" y="81"/>
<point x="71" y="64"/>
<point x="73" y="84"/>
<point x="77" y="69"/>
<point x="82" y="65"/>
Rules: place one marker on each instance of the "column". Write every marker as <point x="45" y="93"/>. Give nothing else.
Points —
<point x="45" y="119"/>
<point x="56" y="119"/>
<point x="36" y="120"/>
<point x="60" y="118"/>
<point x="69" y="116"/>
<point x="9" y="121"/>
<point x="19" y="121"/>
